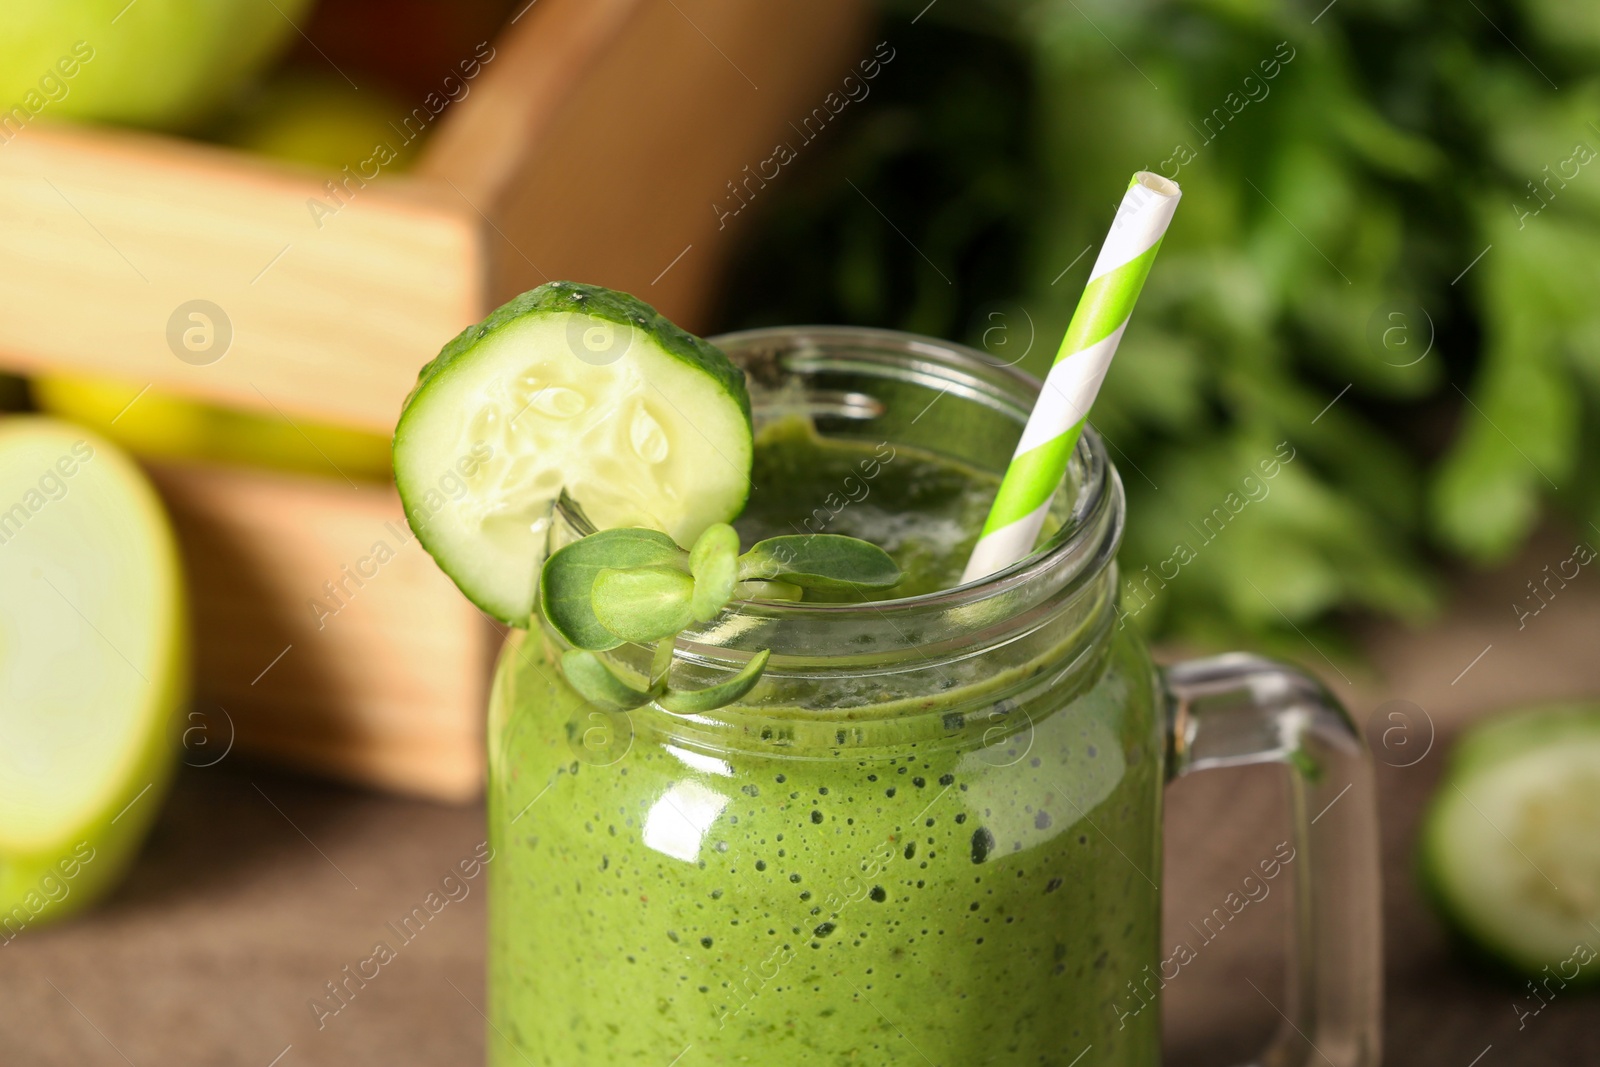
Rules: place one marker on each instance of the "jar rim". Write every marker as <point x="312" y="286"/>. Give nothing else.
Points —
<point x="1074" y="554"/>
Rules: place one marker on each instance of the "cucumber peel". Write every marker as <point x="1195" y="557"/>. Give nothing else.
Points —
<point x="567" y="387"/>
<point x="1510" y="843"/>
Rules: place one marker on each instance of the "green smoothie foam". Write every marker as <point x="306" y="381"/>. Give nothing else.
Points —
<point x="923" y="510"/>
<point x="940" y="896"/>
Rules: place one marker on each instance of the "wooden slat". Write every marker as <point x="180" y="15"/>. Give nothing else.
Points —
<point x="104" y="233"/>
<point x="385" y="684"/>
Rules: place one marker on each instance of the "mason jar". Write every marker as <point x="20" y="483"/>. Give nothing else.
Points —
<point x="932" y="833"/>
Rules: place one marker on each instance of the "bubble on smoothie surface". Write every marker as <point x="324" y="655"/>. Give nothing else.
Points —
<point x="982" y="844"/>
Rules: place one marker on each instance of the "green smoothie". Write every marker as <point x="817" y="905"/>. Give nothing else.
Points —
<point x="862" y="872"/>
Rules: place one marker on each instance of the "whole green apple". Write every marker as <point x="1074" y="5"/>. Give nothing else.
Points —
<point x="315" y="117"/>
<point x="163" y="63"/>
<point x="165" y="426"/>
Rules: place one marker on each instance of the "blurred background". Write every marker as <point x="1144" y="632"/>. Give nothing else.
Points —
<point x="1336" y="196"/>
<point x="232" y="230"/>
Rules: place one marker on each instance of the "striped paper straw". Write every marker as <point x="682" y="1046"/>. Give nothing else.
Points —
<point x="1058" y="417"/>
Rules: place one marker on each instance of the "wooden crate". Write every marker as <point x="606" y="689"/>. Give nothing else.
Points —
<point x="593" y="146"/>
<point x="325" y="636"/>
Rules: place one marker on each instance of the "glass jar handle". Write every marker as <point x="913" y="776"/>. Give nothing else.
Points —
<point x="1237" y="709"/>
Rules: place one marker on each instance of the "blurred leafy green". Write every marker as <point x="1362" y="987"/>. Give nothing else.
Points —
<point x="1386" y="256"/>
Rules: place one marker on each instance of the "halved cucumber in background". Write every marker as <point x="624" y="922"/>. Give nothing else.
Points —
<point x="567" y="386"/>
<point x="1510" y="846"/>
<point x="93" y="666"/>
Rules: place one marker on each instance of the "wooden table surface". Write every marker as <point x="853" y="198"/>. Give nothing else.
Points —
<point x="257" y="888"/>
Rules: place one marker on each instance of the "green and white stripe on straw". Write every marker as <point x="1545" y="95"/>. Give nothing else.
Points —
<point x="1058" y="417"/>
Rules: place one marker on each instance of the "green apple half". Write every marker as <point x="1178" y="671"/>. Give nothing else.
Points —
<point x="93" y="666"/>
<point x="164" y="63"/>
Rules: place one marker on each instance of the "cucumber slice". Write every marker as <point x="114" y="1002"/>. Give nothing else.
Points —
<point x="567" y="386"/>
<point x="92" y="666"/>
<point x="1510" y="847"/>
